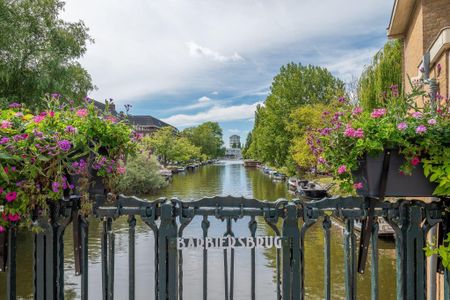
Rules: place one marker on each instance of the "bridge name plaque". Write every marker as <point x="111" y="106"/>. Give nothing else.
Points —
<point x="258" y="242"/>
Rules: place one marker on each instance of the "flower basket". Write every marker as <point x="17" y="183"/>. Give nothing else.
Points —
<point x="397" y="184"/>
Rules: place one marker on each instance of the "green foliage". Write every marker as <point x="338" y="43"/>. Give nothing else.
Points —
<point x="170" y="147"/>
<point x="245" y="151"/>
<point x="38" y="52"/>
<point x="384" y="71"/>
<point x="443" y="251"/>
<point x="306" y="118"/>
<point x="295" y="86"/>
<point x="208" y="137"/>
<point x="142" y="175"/>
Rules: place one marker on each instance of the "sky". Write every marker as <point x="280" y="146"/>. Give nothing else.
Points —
<point x="190" y="61"/>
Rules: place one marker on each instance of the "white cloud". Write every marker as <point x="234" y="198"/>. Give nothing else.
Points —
<point x="216" y="113"/>
<point x="200" y="51"/>
<point x="204" y="99"/>
<point x="140" y="50"/>
<point x="234" y="130"/>
<point x="215" y="93"/>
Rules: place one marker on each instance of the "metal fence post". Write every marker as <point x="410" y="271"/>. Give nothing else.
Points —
<point x="167" y="253"/>
<point x="291" y="254"/>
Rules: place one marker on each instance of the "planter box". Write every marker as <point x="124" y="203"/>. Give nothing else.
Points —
<point x="369" y="173"/>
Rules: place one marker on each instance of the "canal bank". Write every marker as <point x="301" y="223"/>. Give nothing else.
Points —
<point x="230" y="178"/>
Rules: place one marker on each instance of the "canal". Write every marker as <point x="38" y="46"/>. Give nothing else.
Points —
<point x="229" y="178"/>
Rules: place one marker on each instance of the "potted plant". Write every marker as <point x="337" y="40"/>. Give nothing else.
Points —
<point x="42" y="153"/>
<point x="406" y="145"/>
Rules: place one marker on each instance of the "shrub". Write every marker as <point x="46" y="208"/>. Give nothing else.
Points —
<point x="142" y="176"/>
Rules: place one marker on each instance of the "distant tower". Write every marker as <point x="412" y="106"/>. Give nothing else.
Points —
<point x="235" y="141"/>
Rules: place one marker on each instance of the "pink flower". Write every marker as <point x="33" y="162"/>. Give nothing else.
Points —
<point x="82" y="112"/>
<point x="342" y="169"/>
<point x="358" y="185"/>
<point x="2" y="229"/>
<point x="1" y="190"/>
<point x="321" y="160"/>
<point x="349" y="131"/>
<point x="52" y="114"/>
<point x="11" y="196"/>
<point x="421" y="129"/>
<point x="121" y="170"/>
<point x="359" y="133"/>
<point x="377" y="113"/>
<point x="18" y="114"/>
<point x="38" y="118"/>
<point x="357" y="110"/>
<point x="432" y="121"/>
<point x="402" y="126"/>
<point x="6" y="124"/>
<point x="415" y="161"/>
<point x="13" y="217"/>
<point x="416" y="115"/>
<point x="111" y="119"/>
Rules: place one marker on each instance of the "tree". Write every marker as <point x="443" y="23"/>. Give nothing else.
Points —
<point x="377" y="78"/>
<point x="169" y="147"/>
<point x="208" y="137"/>
<point x="295" y="86"/>
<point x="38" y="52"/>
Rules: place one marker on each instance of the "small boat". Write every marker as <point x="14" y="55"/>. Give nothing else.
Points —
<point x="292" y="184"/>
<point x="309" y="190"/>
<point x="190" y="167"/>
<point x="250" y="163"/>
<point x="181" y="169"/>
<point x="277" y="176"/>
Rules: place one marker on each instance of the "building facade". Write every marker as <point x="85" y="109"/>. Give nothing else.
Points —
<point x="235" y="141"/>
<point x="424" y="28"/>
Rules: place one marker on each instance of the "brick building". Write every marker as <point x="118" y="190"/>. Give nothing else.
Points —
<point x="424" y="28"/>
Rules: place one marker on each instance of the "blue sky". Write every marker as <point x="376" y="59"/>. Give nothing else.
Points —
<point x="191" y="61"/>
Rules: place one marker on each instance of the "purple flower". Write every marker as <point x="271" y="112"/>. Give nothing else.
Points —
<point x="38" y="118"/>
<point x="4" y="140"/>
<point x="402" y="126"/>
<point x="325" y="131"/>
<point x="394" y="90"/>
<point x="432" y="121"/>
<point x="70" y="129"/>
<point x="55" y="187"/>
<point x="421" y="129"/>
<point x="342" y="99"/>
<point x="64" y="145"/>
<point x="55" y="95"/>
<point x="15" y="105"/>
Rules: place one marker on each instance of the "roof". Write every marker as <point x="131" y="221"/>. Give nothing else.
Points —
<point x="146" y="121"/>
<point x="235" y="136"/>
<point x="401" y="13"/>
<point x="102" y="106"/>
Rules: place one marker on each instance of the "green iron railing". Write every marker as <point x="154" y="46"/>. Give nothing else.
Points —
<point x="290" y="221"/>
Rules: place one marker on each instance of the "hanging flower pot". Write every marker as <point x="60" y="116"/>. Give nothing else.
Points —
<point x="370" y="175"/>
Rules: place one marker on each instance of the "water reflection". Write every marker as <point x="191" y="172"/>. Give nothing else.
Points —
<point x="228" y="179"/>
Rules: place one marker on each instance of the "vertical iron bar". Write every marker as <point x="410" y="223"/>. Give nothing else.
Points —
<point x="84" y="226"/>
<point x="350" y="262"/>
<point x="111" y="238"/>
<point x="252" y="226"/>
<point x="232" y="274"/>
<point x="374" y="248"/>
<point x="168" y="258"/>
<point x="39" y="266"/>
<point x="205" y="226"/>
<point x="131" y="257"/>
<point x="11" y="275"/>
<point x="291" y="254"/>
<point x="327" y="256"/>
<point x="225" y="270"/>
<point x="50" y="266"/>
<point x="104" y="243"/>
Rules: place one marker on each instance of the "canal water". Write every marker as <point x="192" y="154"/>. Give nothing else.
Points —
<point x="228" y="178"/>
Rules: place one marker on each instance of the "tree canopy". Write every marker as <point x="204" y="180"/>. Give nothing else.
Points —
<point x="377" y="78"/>
<point x="208" y="137"/>
<point x="39" y="52"/>
<point x="296" y="85"/>
<point x="171" y="148"/>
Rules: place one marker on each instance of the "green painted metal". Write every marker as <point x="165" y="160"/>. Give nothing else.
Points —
<point x="11" y="264"/>
<point x="167" y="219"/>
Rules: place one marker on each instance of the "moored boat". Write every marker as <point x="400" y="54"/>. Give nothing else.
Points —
<point x="250" y="163"/>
